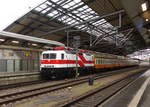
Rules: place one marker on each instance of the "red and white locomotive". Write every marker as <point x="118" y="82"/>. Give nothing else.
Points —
<point x="62" y="62"/>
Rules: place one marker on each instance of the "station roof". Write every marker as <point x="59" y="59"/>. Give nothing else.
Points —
<point x="103" y="25"/>
<point x="24" y="38"/>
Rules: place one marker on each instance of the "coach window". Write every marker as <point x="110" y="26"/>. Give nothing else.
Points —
<point x="100" y="60"/>
<point x="45" y="56"/>
<point x="62" y="56"/>
<point x="52" y="56"/>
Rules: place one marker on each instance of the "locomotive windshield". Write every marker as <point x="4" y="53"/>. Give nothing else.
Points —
<point x="49" y="56"/>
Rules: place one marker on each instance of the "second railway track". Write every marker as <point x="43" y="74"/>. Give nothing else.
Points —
<point x="100" y="95"/>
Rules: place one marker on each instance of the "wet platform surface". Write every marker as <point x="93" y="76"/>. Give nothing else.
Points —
<point x="7" y="78"/>
<point x="145" y="100"/>
<point x="127" y="97"/>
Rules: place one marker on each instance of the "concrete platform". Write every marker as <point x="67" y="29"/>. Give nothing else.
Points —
<point x="16" y="77"/>
<point x="15" y="74"/>
<point x="135" y="95"/>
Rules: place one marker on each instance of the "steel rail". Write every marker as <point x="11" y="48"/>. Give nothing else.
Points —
<point x="80" y="101"/>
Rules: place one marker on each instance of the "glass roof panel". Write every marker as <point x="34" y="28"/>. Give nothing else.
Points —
<point x="55" y="0"/>
<point x="43" y="6"/>
<point x="44" y="11"/>
<point x="38" y="9"/>
<point x="72" y="12"/>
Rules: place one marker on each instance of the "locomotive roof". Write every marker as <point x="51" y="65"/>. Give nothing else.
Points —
<point x="49" y="51"/>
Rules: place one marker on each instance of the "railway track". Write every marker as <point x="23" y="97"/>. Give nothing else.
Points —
<point x="98" y="96"/>
<point x="23" y="84"/>
<point x="17" y="96"/>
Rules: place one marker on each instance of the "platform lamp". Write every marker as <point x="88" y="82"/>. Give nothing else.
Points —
<point x="145" y="7"/>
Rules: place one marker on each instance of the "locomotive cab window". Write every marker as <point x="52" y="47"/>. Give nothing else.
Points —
<point x="52" y="56"/>
<point x="49" y="56"/>
<point x="45" y="56"/>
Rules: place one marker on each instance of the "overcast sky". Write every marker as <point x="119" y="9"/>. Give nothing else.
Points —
<point x="11" y="10"/>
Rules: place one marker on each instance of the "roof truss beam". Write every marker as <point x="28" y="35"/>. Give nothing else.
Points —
<point x="84" y="22"/>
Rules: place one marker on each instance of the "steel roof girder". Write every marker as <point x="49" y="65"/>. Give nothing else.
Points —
<point x="84" y="22"/>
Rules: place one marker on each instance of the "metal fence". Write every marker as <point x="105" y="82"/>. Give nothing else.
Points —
<point x="19" y="65"/>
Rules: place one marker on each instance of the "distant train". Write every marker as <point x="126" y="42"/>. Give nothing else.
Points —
<point x="62" y="62"/>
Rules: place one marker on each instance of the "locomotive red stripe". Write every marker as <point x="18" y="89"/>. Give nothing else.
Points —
<point x="62" y="62"/>
<point x="80" y="62"/>
<point x="84" y="60"/>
